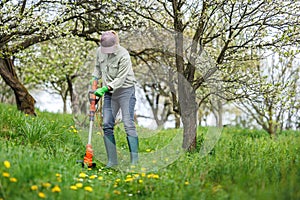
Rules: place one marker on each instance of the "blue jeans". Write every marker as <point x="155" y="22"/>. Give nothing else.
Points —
<point x="124" y="99"/>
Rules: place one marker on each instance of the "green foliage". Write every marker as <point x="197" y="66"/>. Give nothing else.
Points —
<point x="38" y="159"/>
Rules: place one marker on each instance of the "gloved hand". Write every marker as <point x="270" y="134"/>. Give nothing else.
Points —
<point x="100" y="91"/>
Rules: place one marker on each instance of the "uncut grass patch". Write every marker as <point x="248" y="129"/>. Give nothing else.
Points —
<point x="244" y="164"/>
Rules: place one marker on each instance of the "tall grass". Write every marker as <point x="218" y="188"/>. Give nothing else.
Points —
<point x="42" y="153"/>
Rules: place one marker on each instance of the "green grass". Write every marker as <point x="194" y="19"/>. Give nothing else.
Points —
<point x="42" y="152"/>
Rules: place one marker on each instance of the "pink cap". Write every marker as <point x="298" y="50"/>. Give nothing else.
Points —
<point x="109" y="42"/>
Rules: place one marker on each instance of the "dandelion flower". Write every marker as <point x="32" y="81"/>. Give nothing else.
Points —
<point x="100" y="178"/>
<point x="79" y="185"/>
<point x="58" y="175"/>
<point x="129" y="179"/>
<point x="56" y="189"/>
<point x="6" y="164"/>
<point x="34" y="187"/>
<point x="82" y="175"/>
<point x="88" y="188"/>
<point x="5" y="174"/>
<point x="42" y="195"/>
<point x="117" y="192"/>
<point x="93" y="177"/>
<point x="140" y="181"/>
<point x="186" y="183"/>
<point x="73" y="187"/>
<point x="46" y="185"/>
<point x="156" y="176"/>
<point x="148" y="150"/>
<point x="153" y="176"/>
<point x="13" y="180"/>
<point x="143" y="174"/>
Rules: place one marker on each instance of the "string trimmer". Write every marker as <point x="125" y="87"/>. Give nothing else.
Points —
<point x="88" y="158"/>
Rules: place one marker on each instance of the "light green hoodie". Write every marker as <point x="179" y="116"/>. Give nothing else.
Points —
<point x="115" y="69"/>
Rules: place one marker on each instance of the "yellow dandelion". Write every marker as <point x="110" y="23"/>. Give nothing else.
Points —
<point x="79" y="185"/>
<point x="42" y="195"/>
<point x="46" y="185"/>
<point x="6" y="164"/>
<point x="82" y="175"/>
<point x="136" y="175"/>
<point x="128" y="179"/>
<point x="140" y="181"/>
<point x="156" y="176"/>
<point x="143" y="169"/>
<point x="13" y="180"/>
<point x="186" y="183"/>
<point x="100" y="178"/>
<point x="58" y="175"/>
<point x="73" y="187"/>
<point x="89" y="169"/>
<point x="128" y="176"/>
<point x="117" y="192"/>
<point x="5" y="174"/>
<point x="143" y="174"/>
<point x="88" y="188"/>
<point x="34" y="187"/>
<point x="56" y="189"/>
<point x="93" y="177"/>
<point x="148" y="150"/>
<point x="153" y="176"/>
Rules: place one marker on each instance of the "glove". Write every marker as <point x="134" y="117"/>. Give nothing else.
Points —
<point x="92" y="80"/>
<point x="100" y="91"/>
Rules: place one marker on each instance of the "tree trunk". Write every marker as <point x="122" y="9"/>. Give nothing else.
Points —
<point x="220" y="113"/>
<point x="177" y="120"/>
<point x="186" y="94"/>
<point x="25" y="102"/>
<point x="188" y="110"/>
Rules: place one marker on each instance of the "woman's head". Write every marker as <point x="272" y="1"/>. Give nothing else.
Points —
<point x="109" y="42"/>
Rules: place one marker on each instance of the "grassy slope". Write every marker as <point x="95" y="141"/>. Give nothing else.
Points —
<point x="42" y="151"/>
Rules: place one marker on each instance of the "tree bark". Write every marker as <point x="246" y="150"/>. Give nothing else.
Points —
<point x="188" y="110"/>
<point x="25" y="102"/>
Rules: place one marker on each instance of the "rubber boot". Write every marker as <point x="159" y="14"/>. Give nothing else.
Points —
<point x="111" y="151"/>
<point x="133" y="144"/>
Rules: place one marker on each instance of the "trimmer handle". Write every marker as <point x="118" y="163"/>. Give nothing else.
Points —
<point x="93" y="99"/>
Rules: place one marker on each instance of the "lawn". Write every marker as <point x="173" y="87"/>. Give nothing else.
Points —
<point x="38" y="161"/>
